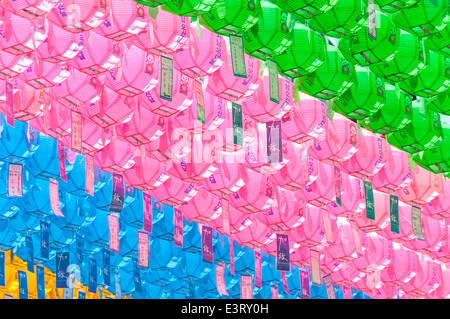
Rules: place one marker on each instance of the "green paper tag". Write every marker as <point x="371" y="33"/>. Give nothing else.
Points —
<point x="166" y="81"/>
<point x="237" y="55"/>
<point x="395" y="226"/>
<point x="153" y="12"/>
<point x="200" y="102"/>
<point x="370" y="207"/>
<point x="295" y="92"/>
<point x="330" y="112"/>
<point x="273" y="81"/>
<point x="416" y="218"/>
<point x="238" y="134"/>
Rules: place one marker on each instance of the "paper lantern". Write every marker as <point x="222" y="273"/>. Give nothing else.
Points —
<point x="59" y="121"/>
<point x="188" y="7"/>
<point x="306" y="53"/>
<point x="36" y="201"/>
<point x="192" y="169"/>
<point x="152" y="3"/>
<point x="311" y="232"/>
<point x="364" y="99"/>
<point x="238" y="221"/>
<point x="103" y="190"/>
<point x="432" y="80"/>
<point x="12" y="65"/>
<point x="272" y="35"/>
<point x="439" y="103"/>
<point x="352" y="198"/>
<point x="392" y="6"/>
<point x="51" y="74"/>
<point x="423" y="18"/>
<point x="97" y="233"/>
<point x="405" y="233"/>
<point x="409" y="60"/>
<point x="305" y="8"/>
<point x="377" y="256"/>
<point x="435" y="158"/>
<point x="322" y="191"/>
<point x="403" y="268"/>
<point x="78" y="213"/>
<point x="331" y="79"/>
<point x="435" y="233"/>
<point x="203" y="208"/>
<point x="382" y="213"/>
<point x="394" y="115"/>
<point x="175" y="192"/>
<point x="31" y="9"/>
<point x="360" y="48"/>
<point x="438" y="207"/>
<point x="115" y="157"/>
<point x="343" y="18"/>
<point x="231" y="16"/>
<point x="301" y="257"/>
<point x="426" y="280"/>
<point x="347" y="276"/>
<point x="191" y="268"/>
<point x="227" y="179"/>
<point x="257" y="235"/>
<point x="76" y="176"/>
<point x="145" y="175"/>
<point x="164" y="255"/>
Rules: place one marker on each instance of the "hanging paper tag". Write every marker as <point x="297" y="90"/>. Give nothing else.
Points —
<point x="148" y="219"/>
<point x="238" y="133"/>
<point x="273" y="81"/>
<point x="347" y="292"/>
<point x="231" y="256"/>
<point x="75" y="132"/>
<point x="274" y="153"/>
<point x="178" y="228"/>
<point x="62" y="269"/>
<point x="337" y="186"/>
<point x="81" y="294"/>
<point x="9" y="104"/>
<point x="15" y="180"/>
<point x="118" y="291"/>
<point x="258" y="268"/>
<point x="246" y="287"/>
<point x="327" y="226"/>
<point x="274" y="291"/>
<point x="395" y="226"/>
<point x="220" y="280"/>
<point x="92" y="286"/>
<point x="40" y="282"/>
<point x="89" y="176"/>
<point x="283" y="262"/>
<point x="30" y="253"/>
<point x="166" y="79"/>
<point x="371" y="20"/>
<point x="225" y="216"/>
<point x="33" y="137"/>
<point x="316" y="277"/>
<point x="200" y="101"/>
<point x="106" y="267"/>
<point x="2" y="268"/>
<point x="79" y="249"/>
<point x="416" y="218"/>
<point x="304" y="284"/>
<point x="137" y="276"/>
<point x="329" y="287"/>
<point x="370" y="208"/>
<point x="113" y="224"/>
<point x="23" y="284"/>
<point x="45" y="238"/>
<point x="284" y="281"/>
<point x="68" y="292"/>
<point x="62" y="160"/>
<point x="54" y="197"/>
<point x="207" y="244"/>
<point x="118" y="193"/>
<point x="143" y="249"/>
<point x="237" y="55"/>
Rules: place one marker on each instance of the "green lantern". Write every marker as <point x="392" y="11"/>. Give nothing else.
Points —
<point x="423" y="132"/>
<point x="394" y="115"/>
<point x="307" y="52"/>
<point x="440" y="103"/>
<point x="272" y="35"/>
<point x="407" y="63"/>
<point x="306" y="8"/>
<point x="231" y="16"/>
<point x="364" y="98"/>
<point x="440" y="41"/>
<point x="436" y="159"/>
<point x="394" y="5"/>
<point x="360" y="48"/>
<point x="331" y="79"/>
<point x="346" y="17"/>
<point x="188" y="7"/>
<point x="151" y="3"/>
<point x="423" y="18"/>
<point x="432" y="80"/>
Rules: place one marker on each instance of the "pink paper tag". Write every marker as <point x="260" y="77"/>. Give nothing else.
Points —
<point x="62" y="161"/>
<point x="178" y="227"/>
<point x="148" y="218"/>
<point x="113" y="224"/>
<point x="75" y="132"/>
<point x="15" y="186"/>
<point x="246" y="287"/>
<point x="284" y="281"/>
<point x="231" y="256"/>
<point x="143" y="249"/>
<point x="225" y="217"/>
<point x="316" y="277"/>
<point x="220" y="280"/>
<point x="347" y="292"/>
<point x="327" y="226"/>
<point x="89" y="168"/>
<point x="9" y="104"/>
<point x="258" y="268"/>
<point x="274" y="290"/>
<point x="54" y="198"/>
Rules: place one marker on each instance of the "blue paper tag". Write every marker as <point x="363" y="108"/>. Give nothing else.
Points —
<point x="207" y="244"/>
<point x="137" y="276"/>
<point x="92" y="287"/>
<point x="118" y="193"/>
<point x="40" y="282"/>
<point x="106" y="267"/>
<point x="23" y="284"/>
<point x="45" y="240"/>
<point x="2" y="268"/>
<point x="62" y="269"/>
<point x="81" y="294"/>
<point x="117" y="288"/>
<point x="79" y="249"/>
<point x="30" y="255"/>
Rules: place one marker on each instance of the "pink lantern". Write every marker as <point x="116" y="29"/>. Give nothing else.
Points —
<point x="115" y="157"/>
<point x="435" y="232"/>
<point x="402" y="269"/>
<point x="427" y="279"/>
<point x="182" y="94"/>
<point x="405" y="226"/>
<point x="382" y="213"/>
<point x="168" y="34"/>
<point x="347" y="275"/>
<point x="255" y="236"/>
<point x="126" y="19"/>
<point x="439" y="207"/>
<point x="258" y="194"/>
<point x="377" y="290"/>
<point x="189" y="169"/>
<point x="203" y="208"/>
<point x="225" y="85"/>
<point x="311" y="232"/>
<point x="443" y="291"/>
<point x="49" y="75"/>
<point x="79" y="15"/>
<point x="237" y="222"/>
<point x="322" y="191"/>
<point x="13" y="65"/>
<point x="98" y="56"/>
<point x="146" y="175"/>
<point x="175" y="192"/>
<point x="394" y="175"/>
<point x="443" y="253"/>
<point x="305" y="121"/>
<point x="340" y="142"/>
<point x="31" y="9"/>
<point x="377" y="255"/>
<point x="59" y="121"/>
<point x="363" y="165"/>
<point x="425" y="186"/>
<point x="301" y="257"/>
<point x="161" y="148"/>
<point x="262" y="108"/>
<point x="352" y="198"/>
<point x="201" y="56"/>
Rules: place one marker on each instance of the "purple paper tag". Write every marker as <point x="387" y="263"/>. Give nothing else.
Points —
<point x="207" y="244"/>
<point x="62" y="160"/>
<point x="178" y="228"/>
<point x="274" y="291"/>
<point x="118" y="193"/>
<point x="9" y="104"/>
<point x="143" y="249"/>
<point x="246" y="287"/>
<point x="148" y="218"/>
<point x="113" y="225"/>
<point x="274" y="143"/>
<point x="258" y="268"/>
<point x="304" y="283"/>
<point x="283" y="262"/>
<point x="329" y="287"/>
